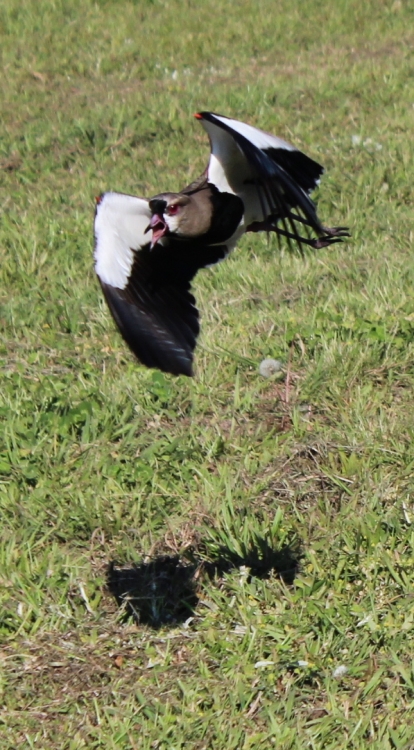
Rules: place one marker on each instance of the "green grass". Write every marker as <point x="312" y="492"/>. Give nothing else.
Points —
<point x="260" y="530"/>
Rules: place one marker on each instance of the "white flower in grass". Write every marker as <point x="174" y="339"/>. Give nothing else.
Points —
<point x="369" y="144"/>
<point x="364" y="621"/>
<point x="269" y="367"/>
<point x="240" y="629"/>
<point x="339" y="672"/>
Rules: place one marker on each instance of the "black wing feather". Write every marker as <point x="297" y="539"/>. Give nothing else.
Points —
<point x="284" y="178"/>
<point x="156" y="312"/>
<point x="277" y="182"/>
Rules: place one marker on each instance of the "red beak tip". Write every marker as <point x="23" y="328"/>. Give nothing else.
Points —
<point x="198" y="116"/>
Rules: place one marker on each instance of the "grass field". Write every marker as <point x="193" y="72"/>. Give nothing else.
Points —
<point x="224" y="562"/>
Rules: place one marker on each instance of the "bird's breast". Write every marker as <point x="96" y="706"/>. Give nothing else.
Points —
<point x="226" y="217"/>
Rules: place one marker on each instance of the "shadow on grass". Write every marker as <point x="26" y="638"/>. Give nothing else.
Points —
<point x="160" y="592"/>
<point x="164" y="590"/>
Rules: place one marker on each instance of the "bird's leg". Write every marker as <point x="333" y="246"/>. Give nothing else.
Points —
<point x="336" y="231"/>
<point x="329" y="231"/>
<point x="331" y="234"/>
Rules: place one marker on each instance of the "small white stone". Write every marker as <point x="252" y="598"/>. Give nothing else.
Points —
<point x="269" y="367"/>
<point x="356" y="140"/>
<point x="339" y="671"/>
<point x="303" y="663"/>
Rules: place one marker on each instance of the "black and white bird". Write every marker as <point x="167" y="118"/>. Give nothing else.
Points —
<point x="148" y="251"/>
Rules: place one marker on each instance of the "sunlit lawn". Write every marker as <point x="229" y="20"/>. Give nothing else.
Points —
<point x="269" y="520"/>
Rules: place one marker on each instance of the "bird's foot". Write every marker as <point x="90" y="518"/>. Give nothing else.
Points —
<point x="331" y="234"/>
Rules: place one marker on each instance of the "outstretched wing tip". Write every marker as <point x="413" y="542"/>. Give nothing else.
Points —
<point x="186" y="370"/>
<point x="150" y="338"/>
<point x="183" y="367"/>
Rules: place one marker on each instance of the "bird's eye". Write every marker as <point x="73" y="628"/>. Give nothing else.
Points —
<point x="172" y="210"/>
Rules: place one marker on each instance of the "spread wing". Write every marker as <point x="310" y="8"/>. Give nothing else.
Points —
<point x="272" y="178"/>
<point x="148" y="291"/>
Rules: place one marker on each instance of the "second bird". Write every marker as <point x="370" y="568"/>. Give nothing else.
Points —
<point x="147" y="251"/>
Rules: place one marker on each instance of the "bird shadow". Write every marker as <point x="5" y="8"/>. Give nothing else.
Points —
<point x="165" y="590"/>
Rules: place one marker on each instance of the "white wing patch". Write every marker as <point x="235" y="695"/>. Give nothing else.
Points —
<point x="226" y="160"/>
<point x="230" y="171"/>
<point x="257" y="137"/>
<point x="120" y="224"/>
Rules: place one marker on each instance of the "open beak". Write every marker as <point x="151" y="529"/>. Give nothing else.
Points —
<point x="158" y="227"/>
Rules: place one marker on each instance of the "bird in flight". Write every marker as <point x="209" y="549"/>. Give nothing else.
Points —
<point x="147" y="251"/>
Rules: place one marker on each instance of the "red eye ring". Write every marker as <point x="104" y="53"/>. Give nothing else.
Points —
<point x="172" y="210"/>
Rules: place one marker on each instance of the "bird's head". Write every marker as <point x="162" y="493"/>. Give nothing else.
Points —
<point x="168" y="210"/>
